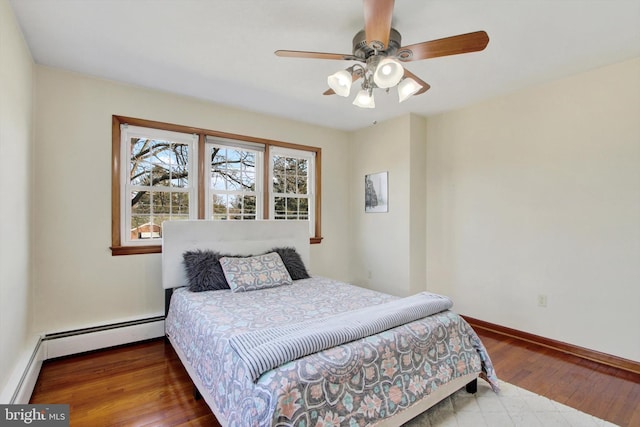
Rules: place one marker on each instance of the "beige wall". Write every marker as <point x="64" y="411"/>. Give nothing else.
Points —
<point x="538" y="192"/>
<point x="388" y="249"/>
<point x="16" y="104"/>
<point x="78" y="282"/>
<point x="417" y="204"/>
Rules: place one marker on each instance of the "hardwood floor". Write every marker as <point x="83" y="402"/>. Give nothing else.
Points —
<point x="141" y="384"/>
<point x="145" y="384"/>
<point x="605" y="392"/>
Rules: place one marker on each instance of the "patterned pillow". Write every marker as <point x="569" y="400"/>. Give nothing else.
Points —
<point x="293" y="262"/>
<point x="256" y="272"/>
<point x="204" y="272"/>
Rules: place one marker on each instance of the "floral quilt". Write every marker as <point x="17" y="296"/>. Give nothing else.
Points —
<point x="354" y="384"/>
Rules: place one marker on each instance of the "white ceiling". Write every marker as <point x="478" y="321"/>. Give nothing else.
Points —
<point x="222" y="50"/>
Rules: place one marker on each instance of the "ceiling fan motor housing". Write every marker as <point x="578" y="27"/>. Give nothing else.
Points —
<point x="362" y="50"/>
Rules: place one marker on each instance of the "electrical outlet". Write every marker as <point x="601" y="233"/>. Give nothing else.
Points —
<point x="542" y="300"/>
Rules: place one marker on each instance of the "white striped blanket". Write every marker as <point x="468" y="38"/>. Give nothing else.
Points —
<point x="269" y="348"/>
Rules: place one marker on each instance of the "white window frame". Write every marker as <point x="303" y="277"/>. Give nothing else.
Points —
<point x="256" y="148"/>
<point x="310" y="156"/>
<point x="127" y="133"/>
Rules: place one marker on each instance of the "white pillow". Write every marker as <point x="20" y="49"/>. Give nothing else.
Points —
<point x="256" y="272"/>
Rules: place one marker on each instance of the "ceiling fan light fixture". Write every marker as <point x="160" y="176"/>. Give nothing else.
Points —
<point x="388" y="73"/>
<point x="364" y="99"/>
<point x="407" y="88"/>
<point x="340" y="82"/>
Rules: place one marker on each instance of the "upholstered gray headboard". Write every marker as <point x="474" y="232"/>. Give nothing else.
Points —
<point x="229" y="237"/>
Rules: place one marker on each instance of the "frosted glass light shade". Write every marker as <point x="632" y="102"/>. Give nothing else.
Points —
<point x="364" y="99"/>
<point x="407" y="88"/>
<point x="340" y="82"/>
<point x="388" y="73"/>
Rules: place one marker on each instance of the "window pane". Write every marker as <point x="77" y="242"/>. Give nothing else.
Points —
<point x="249" y="162"/>
<point x="219" y="204"/>
<point x="278" y="164"/>
<point x="278" y="174"/>
<point x="140" y="202"/>
<point x="303" y="176"/>
<point x="302" y="186"/>
<point x="278" y="182"/>
<point x="234" y="159"/>
<point x="159" y="176"/>
<point x="138" y="168"/>
<point x="161" y="202"/>
<point x="139" y="173"/>
<point x="304" y="209"/>
<point x="179" y="205"/>
<point x="180" y="176"/>
<point x="292" y="208"/>
<point x="303" y="167"/>
<point x="235" y="207"/>
<point x="249" y="204"/>
<point x="233" y="180"/>
<point x="218" y="156"/>
<point x="280" y="207"/>
<point x="290" y="180"/>
<point x="145" y="229"/>
<point x="249" y="180"/>
<point x="217" y="181"/>
<point x="292" y="165"/>
<point x="158" y="163"/>
<point x="139" y="220"/>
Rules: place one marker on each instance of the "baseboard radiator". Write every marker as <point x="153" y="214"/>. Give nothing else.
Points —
<point x="60" y="344"/>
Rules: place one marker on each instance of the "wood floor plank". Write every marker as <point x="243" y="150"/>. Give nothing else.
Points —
<point x="603" y="391"/>
<point x="139" y="384"/>
<point x="146" y="384"/>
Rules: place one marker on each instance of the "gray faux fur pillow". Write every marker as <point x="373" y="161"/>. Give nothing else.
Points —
<point x="293" y="262"/>
<point x="204" y="272"/>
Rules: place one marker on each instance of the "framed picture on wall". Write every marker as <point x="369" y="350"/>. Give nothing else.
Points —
<point x="376" y="192"/>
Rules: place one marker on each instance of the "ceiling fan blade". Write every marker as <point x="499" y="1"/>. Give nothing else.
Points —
<point x="377" y="22"/>
<point x="355" y="75"/>
<point x="425" y="85"/>
<point x="463" y="43"/>
<point x="315" y="55"/>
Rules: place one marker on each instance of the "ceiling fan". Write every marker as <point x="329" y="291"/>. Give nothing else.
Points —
<point x="378" y="53"/>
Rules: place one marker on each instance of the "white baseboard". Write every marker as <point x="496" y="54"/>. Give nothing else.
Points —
<point x="25" y="374"/>
<point x="58" y="345"/>
<point x="23" y="380"/>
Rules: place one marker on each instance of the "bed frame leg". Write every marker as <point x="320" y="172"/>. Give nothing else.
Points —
<point x="472" y="387"/>
<point x="196" y="393"/>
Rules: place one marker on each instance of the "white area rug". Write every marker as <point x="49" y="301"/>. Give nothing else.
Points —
<point x="514" y="406"/>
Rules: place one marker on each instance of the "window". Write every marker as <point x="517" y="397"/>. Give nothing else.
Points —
<point x="235" y="180"/>
<point x="157" y="181"/>
<point x="162" y="171"/>
<point x="292" y="186"/>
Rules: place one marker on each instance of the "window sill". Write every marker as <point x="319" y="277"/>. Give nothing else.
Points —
<point x="136" y="250"/>
<point x="157" y="249"/>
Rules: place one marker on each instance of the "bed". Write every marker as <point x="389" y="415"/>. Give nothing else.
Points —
<point x="384" y="378"/>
